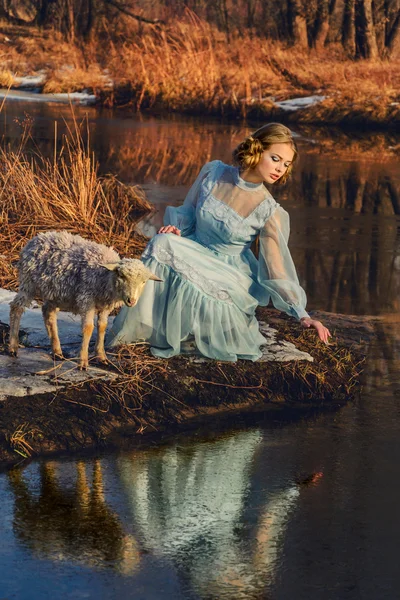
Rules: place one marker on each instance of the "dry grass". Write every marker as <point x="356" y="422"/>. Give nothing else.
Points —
<point x="66" y="192"/>
<point x="22" y="438"/>
<point x="190" y="68"/>
<point x="67" y="80"/>
<point x="6" y="78"/>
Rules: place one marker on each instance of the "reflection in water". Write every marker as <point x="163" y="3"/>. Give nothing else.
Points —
<point x="348" y="264"/>
<point x="186" y="505"/>
<point x="71" y="524"/>
<point x="189" y="505"/>
<point x="383" y="372"/>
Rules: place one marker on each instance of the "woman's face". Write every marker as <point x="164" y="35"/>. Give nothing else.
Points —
<point x="274" y="162"/>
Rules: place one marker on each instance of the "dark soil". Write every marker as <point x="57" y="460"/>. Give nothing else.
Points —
<point x="153" y="398"/>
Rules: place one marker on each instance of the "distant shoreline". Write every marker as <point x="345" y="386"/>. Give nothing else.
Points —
<point x="191" y="70"/>
<point x="312" y="112"/>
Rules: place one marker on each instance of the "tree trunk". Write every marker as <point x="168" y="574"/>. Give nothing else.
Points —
<point x="250" y="13"/>
<point x="43" y="9"/>
<point x="393" y="40"/>
<point x="226" y="21"/>
<point x="379" y="18"/>
<point x="336" y="12"/>
<point x="371" y="48"/>
<point x="349" y="29"/>
<point x="322" y="24"/>
<point x="299" y="24"/>
<point x="70" y="26"/>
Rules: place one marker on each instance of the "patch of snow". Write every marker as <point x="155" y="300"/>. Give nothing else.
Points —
<point x="30" y="81"/>
<point x="6" y="296"/>
<point x="299" y="103"/>
<point x="23" y="376"/>
<point x="75" y="97"/>
<point x="69" y="325"/>
<point x="35" y="372"/>
<point x="279" y="351"/>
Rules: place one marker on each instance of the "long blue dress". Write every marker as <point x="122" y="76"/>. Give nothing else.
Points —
<point x="212" y="282"/>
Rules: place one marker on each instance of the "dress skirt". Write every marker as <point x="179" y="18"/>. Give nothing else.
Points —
<point x="205" y="304"/>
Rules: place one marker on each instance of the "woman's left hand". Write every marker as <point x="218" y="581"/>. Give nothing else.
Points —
<point x="323" y="332"/>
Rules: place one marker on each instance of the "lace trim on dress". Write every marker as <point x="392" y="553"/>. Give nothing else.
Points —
<point x="225" y="213"/>
<point x="187" y="272"/>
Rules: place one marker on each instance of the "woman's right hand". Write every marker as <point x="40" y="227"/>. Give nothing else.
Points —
<point x="323" y="332"/>
<point x="169" y="229"/>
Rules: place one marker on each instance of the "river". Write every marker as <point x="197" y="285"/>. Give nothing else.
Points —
<point x="222" y="515"/>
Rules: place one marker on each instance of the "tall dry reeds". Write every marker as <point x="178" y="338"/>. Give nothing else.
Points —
<point x="189" y="67"/>
<point x="65" y="192"/>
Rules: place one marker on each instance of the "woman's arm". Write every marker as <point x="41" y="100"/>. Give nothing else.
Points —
<point x="277" y="273"/>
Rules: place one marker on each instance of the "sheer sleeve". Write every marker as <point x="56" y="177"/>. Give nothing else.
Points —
<point x="276" y="272"/>
<point x="184" y="216"/>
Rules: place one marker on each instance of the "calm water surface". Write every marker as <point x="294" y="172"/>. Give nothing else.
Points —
<point x="221" y="516"/>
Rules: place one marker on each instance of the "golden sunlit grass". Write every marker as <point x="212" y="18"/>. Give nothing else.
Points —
<point x="190" y="67"/>
<point x="76" y="80"/>
<point x="6" y="79"/>
<point x="66" y="192"/>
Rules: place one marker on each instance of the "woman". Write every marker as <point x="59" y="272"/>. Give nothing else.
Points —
<point x="212" y="282"/>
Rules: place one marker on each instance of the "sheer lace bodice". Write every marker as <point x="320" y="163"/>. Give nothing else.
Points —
<point x="241" y="196"/>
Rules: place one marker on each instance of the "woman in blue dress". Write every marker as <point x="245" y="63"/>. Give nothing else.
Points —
<point x="211" y="280"/>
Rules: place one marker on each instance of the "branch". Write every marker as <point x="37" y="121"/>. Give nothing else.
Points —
<point x="127" y="12"/>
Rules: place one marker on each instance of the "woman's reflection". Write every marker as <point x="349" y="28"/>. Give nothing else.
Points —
<point x="189" y="506"/>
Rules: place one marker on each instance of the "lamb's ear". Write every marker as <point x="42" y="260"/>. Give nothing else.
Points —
<point x="110" y="266"/>
<point x="155" y="278"/>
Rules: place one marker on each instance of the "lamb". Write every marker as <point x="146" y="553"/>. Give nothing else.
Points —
<point x="71" y="273"/>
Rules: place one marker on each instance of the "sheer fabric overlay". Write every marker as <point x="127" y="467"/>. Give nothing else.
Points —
<point x="212" y="282"/>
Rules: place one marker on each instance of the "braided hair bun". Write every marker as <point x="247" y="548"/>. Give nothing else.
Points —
<point x="248" y="153"/>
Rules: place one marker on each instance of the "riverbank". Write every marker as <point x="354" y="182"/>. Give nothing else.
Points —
<point x="191" y="69"/>
<point x="141" y="401"/>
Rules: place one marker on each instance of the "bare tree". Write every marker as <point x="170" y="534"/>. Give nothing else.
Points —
<point x="349" y="27"/>
<point x="322" y="24"/>
<point x="366" y="45"/>
<point x="299" y="23"/>
<point x="393" y="28"/>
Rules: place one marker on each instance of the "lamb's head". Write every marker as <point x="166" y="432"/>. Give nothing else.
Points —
<point x="130" y="276"/>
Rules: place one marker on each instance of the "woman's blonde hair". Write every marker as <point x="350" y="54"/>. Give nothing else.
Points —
<point x="248" y="153"/>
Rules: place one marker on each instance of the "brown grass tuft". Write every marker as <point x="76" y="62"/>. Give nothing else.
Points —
<point x="6" y="78"/>
<point x="67" y="80"/>
<point x="22" y="438"/>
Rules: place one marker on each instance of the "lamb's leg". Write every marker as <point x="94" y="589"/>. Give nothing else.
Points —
<point x="49" y="312"/>
<point x="87" y="330"/>
<point x="102" y="321"/>
<point x="16" y="312"/>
